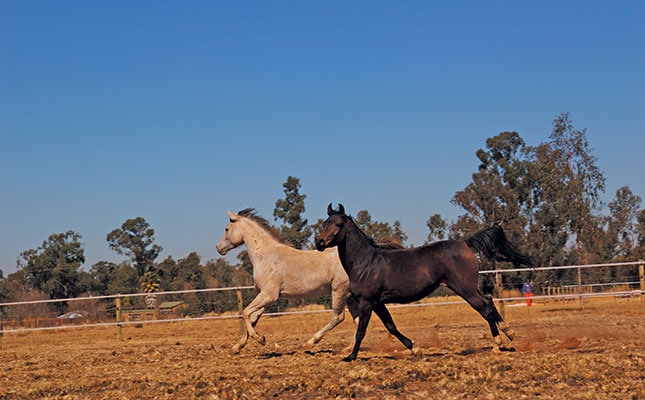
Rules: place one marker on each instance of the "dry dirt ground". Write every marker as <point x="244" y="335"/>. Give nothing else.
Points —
<point x="560" y="352"/>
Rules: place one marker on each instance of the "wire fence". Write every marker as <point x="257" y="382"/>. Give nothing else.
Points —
<point x="120" y="317"/>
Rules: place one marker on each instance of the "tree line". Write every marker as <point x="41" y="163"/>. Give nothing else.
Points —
<point x="547" y="197"/>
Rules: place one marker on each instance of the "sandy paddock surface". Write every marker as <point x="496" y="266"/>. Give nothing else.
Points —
<point x="560" y="352"/>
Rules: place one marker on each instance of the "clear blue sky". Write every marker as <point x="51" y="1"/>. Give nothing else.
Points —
<point x="176" y="111"/>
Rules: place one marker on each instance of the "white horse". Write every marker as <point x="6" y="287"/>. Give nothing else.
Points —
<point x="280" y="270"/>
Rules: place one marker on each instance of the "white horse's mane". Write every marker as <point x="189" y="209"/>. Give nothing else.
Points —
<point x="264" y="224"/>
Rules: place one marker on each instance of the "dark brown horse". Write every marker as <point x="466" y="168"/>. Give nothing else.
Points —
<point x="379" y="276"/>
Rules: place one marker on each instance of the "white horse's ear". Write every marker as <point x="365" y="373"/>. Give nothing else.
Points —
<point x="232" y="216"/>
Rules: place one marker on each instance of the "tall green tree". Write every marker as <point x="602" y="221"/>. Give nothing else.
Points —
<point x="380" y="232"/>
<point x="190" y="273"/>
<point x="640" y="249"/>
<point x="168" y="271"/>
<point x="135" y="239"/>
<point x="125" y="280"/>
<point x="102" y="274"/>
<point x="220" y="273"/>
<point x="548" y="234"/>
<point x="295" y="228"/>
<point x="565" y="197"/>
<point x="4" y="291"/>
<point x="547" y="197"/>
<point x="622" y="229"/>
<point x="54" y="267"/>
<point x="438" y="228"/>
<point x="499" y="191"/>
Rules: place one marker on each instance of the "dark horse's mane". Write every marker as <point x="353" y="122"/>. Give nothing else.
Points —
<point x="252" y="215"/>
<point x="492" y="243"/>
<point x="385" y="244"/>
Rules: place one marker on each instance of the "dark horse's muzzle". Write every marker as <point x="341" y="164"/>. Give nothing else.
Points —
<point x="320" y="244"/>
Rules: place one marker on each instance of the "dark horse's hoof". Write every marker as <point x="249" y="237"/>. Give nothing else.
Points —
<point x="349" y="358"/>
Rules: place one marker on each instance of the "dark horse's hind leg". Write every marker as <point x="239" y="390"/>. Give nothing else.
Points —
<point x="387" y="320"/>
<point x="501" y="324"/>
<point x="485" y="306"/>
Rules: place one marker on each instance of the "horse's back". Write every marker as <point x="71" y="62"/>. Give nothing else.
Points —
<point x="309" y="273"/>
<point x="450" y="256"/>
<point x="422" y="269"/>
<point x="433" y="254"/>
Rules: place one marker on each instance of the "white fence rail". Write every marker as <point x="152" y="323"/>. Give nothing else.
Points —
<point x="577" y="293"/>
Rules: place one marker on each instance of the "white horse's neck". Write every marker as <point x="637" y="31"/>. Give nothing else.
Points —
<point x="257" y="241"/>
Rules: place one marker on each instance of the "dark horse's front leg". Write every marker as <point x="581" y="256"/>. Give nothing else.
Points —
<point x="387" y="320"/>
<point x="364" y="314"/>
<point x="366" y="309"/>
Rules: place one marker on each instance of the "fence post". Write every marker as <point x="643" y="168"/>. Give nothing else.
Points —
<point x="641" y="276"/>
<point x="119" y="332"/>
<point x="240" y="309"/>
<point x="499" y="292"/>
<point x="582" y="306"/>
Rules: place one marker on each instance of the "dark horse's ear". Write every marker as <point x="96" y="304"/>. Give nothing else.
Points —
<point x="330" y="210"/>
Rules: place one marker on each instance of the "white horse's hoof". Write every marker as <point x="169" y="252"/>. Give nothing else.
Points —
<point x="510" y="334"/>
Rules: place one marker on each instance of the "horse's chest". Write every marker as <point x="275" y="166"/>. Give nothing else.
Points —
<point x="366" y="290"/>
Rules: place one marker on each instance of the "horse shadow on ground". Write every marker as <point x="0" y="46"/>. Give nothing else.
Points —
<point x="423" y="354"/>
<point x="471" y="351"/>
<point x="277" y="354"/>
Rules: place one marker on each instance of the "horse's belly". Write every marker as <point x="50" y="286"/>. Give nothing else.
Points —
<point x="299" y="292"/>
<point x="406" y="295"/>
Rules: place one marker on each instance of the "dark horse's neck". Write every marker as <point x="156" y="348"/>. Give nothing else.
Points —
<point x="354" y="248"/>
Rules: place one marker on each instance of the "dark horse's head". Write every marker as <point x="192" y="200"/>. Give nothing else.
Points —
<point x="332" y="228"/>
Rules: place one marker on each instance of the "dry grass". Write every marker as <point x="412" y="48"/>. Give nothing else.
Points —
<point x="561" y="351"/>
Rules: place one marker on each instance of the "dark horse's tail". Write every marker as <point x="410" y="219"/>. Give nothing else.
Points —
<point x="492" y="243"/>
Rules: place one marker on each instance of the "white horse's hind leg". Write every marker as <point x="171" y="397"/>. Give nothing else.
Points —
<point x="497" y="344"/>
<point x="510" y="334"/>
<point x="337" y="316"/>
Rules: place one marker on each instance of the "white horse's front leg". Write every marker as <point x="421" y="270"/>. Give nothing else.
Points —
<point x="241" y="343"/>
<point x="251" y="315"/>
<point x="253" y="319"/>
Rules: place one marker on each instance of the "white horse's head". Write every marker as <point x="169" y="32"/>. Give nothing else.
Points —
<point x="233" y="236"/>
